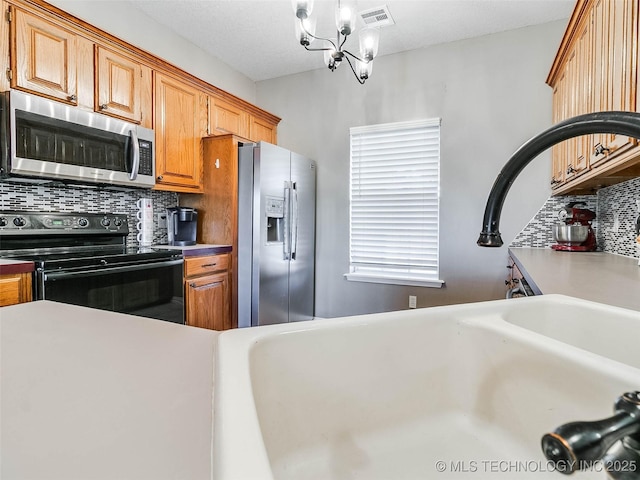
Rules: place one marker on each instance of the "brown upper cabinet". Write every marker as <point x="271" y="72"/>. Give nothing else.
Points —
<point x="54" y="54"/>
<point x="225" y="118"/>
<point x="119" y="85"/>
<point x="43" y="57"/>
<point x="179" y="112"/>
<point x="261" y="130"/>
<point x="596" y="69"/>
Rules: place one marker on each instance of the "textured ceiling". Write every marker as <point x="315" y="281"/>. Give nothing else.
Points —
<point x="257" y="37"/>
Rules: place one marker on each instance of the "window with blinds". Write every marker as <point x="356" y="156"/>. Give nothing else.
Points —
<point x="395" y="192"/>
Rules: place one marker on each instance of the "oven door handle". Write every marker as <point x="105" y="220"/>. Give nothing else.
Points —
<point x="107" y="270"/>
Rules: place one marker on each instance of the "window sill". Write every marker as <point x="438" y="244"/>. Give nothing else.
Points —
<point x="393" y="280"/>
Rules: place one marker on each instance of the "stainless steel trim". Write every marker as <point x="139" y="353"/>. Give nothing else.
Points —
<point x="136" y="155"/>
<point x="102" y="271"/>
<point x="294" y="221"/>
<point x="18" y="166"/>
<point x="286" y="247"/>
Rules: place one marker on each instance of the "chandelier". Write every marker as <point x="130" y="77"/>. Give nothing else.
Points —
<point x="334" y="53"/>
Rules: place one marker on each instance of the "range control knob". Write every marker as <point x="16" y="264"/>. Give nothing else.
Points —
<point x="105" y="222"/>
<point x="83" y="222"/>
<point x="117" y="222"/>
<point x="3" y="222"/>
<point x="19" y="222"/>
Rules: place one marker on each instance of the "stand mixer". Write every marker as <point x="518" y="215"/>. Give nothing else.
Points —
<point x="576" y="235"/>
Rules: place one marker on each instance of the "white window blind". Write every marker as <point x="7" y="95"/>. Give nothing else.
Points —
<point x="395" y="191"/>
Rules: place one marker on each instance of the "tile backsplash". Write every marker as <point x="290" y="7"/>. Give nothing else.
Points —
<point x="74" y="198"/>
<point x="616" y="213"/>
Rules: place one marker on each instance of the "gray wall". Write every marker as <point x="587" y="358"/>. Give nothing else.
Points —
<point x="491" y="96"/>
<point x="118" y="18"/>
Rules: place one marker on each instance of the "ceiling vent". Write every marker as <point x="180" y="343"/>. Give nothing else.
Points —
<point x="377" y="17"/>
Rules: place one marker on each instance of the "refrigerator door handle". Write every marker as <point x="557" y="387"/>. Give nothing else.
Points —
<point x="294" y="221"/>
<point x="286" y="244"/>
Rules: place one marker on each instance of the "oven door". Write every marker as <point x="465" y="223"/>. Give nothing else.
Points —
<point x="153" y="290"/>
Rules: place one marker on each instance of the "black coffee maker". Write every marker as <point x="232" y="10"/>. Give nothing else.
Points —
<point x="182" y="225"/>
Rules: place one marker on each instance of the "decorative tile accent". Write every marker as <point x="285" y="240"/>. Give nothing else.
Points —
<point x="616" y="214"/>
<point x="74" y="198"/>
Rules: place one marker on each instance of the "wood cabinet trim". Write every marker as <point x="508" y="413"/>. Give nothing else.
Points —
<point x="568" y="39"/>
<point x="68" y="21"/>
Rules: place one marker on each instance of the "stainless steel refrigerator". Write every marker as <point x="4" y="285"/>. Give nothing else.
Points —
<point x="276" y="235"/>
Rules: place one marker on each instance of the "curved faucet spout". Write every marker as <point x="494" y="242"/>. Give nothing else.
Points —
<point x="622" y="123"/>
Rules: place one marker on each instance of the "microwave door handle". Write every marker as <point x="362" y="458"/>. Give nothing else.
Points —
<point x="136" y="155"/>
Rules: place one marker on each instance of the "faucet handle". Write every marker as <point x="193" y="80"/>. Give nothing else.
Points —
<point x="576" y="445"/>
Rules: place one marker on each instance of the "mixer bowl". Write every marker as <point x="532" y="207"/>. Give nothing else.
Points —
<point x="570" y="234"/>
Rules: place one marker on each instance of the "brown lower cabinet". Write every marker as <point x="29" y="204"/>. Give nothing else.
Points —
<point x="15" y="288"/>
<point x="208" y="291"/>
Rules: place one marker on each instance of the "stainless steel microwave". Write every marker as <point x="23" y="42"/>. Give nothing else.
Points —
<point x="45" y="139"/>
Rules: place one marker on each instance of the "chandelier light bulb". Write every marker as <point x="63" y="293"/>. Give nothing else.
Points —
<point x="363" y="69"/>
<point x="369" y="38"/>
<point x="345" y="18"/>
<point x="302" y="8"/>
<point x="305" y="30"/>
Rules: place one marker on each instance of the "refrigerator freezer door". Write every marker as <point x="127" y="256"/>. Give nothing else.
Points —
<point x="271" y="271"/>
<point x="302" y="264"/>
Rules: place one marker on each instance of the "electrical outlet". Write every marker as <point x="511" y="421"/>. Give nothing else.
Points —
<point x="162" y="220"/>
<point x="412" y="301"/>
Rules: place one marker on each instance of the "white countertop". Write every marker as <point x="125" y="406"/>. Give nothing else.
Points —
<point x="596" y="276"/>
<point x="93" y="394"/>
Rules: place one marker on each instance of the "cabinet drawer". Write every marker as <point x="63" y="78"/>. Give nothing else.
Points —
<point x="202" y="265"/>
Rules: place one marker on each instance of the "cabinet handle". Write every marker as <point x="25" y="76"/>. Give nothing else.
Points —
<point x="212" y="284"/>
<point x="72" y="97"/>
<point x="103" y="106"/>
<point x="600" y="149"/>
<point x="208" y="265"/>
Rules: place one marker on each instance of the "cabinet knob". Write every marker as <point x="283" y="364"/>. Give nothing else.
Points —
<point x="600" y="149"/>
<point x="159" y="178"/>
<point x="570" y="170"/>
<point x="72" y="97"/>
<point x="103" y="106"/>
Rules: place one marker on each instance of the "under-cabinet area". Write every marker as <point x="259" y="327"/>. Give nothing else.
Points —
<point x="596" y="69"/>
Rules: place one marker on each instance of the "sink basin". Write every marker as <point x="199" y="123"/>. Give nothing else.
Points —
<point x="428" y="393"/>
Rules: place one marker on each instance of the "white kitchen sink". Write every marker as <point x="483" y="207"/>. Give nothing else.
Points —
<point x="429" y="393"/>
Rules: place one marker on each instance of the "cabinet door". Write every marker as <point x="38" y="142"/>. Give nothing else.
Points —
<point x="225" y="118"/>
<point x="43" y="58"/>
<point x="208" y="301"/>
<point x="621" y="66"/>
<point x="581" y="93"/>
<point x="600" y="66"/>
<point x="559" y="150"/>
<point x="15" y="288"/>
<point x="262" y="131"/>
<point x="118" y="85"/>
<point x="178" y="133"/>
